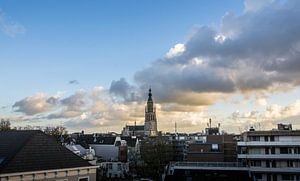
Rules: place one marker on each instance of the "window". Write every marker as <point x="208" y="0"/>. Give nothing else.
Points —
<point x="290" y="163"/>
<point x="297" y="150"/>
<point x="109" y="166"/>
<point x="267" y="151"/>
<point x="273" y="150"/>
<point x="272" y="138"/>
<point x="258" y="176"/>
<point x="119" y="166"/>
<point x="83" y="179"/>
<point x="244" y="150"/>
<point x="254" y="138"/>
<point x="287" y="177"/>
<point x="266" y="138"/>
<point x="214" y="147"/>
<point x="256" y="163"/>
<point x="273" y="164"/>
<point x="268" y="164"/>
<point x="283" y="150"/>
<point x="255" y="151"/>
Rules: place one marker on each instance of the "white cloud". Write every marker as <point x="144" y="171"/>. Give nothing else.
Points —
<point x="35" y="104"/>
<point x="261" y="101"/>
<point x="266" y="119"/>
<point x="177" y="50"/>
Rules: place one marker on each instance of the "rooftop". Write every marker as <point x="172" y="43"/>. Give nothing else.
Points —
<point x="22" y="151"/>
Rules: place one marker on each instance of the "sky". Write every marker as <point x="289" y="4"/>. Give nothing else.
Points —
<point x="87" y="65"/>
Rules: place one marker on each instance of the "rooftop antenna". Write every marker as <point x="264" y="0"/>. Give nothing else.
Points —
<point x="175" y="127"/>
<point x="209" y="122"/>
<point x="134" y="127"/>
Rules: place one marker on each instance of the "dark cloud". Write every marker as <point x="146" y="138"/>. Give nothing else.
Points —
<point x="254" y="51"/>
<point x="123" y="89"/>
<point x="73" y="82"/>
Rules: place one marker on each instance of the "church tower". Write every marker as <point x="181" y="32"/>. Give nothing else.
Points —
<point x="150" y="117"/>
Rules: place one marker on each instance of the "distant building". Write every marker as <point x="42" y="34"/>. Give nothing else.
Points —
<point x="150" y="126"/>
<point x="271" y="155"/>
<point x="110" y="148"/>
<point x="133" y="130"/>
<point x="213" y="148"/>
<point x="33" y="155"/>
<point x="106" y="147"/>
<point x="150" y="117"/>
<point x="86" y="154"/>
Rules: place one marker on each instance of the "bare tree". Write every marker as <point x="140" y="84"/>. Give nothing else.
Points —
<point x="59" y="132"/>
<point x="4" y="125"/>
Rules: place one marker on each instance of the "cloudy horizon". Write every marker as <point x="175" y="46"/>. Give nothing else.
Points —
<point x="238" y="65"/>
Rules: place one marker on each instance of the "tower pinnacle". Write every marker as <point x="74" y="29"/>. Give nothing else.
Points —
<point x="149" y="95"/>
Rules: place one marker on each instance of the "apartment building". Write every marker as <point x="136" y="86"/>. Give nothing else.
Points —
<point x="212" y="147"/>
<point x="271" y="155"/>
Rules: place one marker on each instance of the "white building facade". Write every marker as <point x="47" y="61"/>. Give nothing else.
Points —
<point x="271" y="155"/>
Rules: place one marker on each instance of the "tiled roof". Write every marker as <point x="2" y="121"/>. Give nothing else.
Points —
<point x="22" y="151"/>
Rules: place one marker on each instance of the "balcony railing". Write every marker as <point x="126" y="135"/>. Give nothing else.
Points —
<point x="268" y="143"/>
<point x="207" y="164"/>
<point x="269" y="156"/>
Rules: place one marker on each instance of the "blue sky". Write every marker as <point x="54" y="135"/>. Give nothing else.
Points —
<point x="97" y="42"/>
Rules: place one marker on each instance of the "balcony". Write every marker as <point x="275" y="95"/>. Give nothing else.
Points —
<point x="209" y="166"/>
<point x="275" y="170"/>
<point x="268" y="143"/>
<point x="269" y="156"/>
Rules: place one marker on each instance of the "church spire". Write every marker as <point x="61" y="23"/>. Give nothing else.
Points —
<point x="149" y="95"/>
<point x="150" y="117"/>
<point x="150" y="106"/>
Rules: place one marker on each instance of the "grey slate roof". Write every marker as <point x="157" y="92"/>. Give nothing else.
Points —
<point x="22" y="151"/>
<point x="89" y="139"/>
